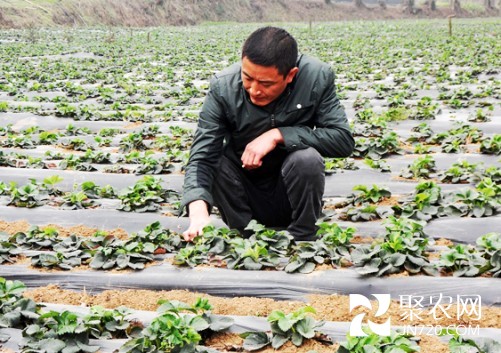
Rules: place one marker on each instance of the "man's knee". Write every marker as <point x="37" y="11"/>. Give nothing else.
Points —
<point x="307" y="162"/>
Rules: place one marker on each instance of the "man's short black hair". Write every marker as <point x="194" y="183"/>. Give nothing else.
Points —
<point x="271" y="46"/>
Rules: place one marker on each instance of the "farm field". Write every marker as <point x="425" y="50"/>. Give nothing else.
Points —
<point x="95" y="128"/>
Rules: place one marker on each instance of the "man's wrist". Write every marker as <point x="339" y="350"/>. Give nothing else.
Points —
<point x="277" y="136"/>
<point x="198" y="208"/>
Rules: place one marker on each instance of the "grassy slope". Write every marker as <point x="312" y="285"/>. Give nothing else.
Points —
<point x="140" y="13"/>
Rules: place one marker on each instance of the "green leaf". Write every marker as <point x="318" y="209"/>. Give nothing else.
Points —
<point x="219" y="323"/>
<point x="285" y="323"/>
<point x="306" y="327"/>
<point x="297" y="339"/>
<point x="278" y="341"/>
<point x="52" y="345"/>
<point x="199" y="323"/>
<point x="255" y="340"/>
<point x="308" y="267"/>
<point x="250" y="264"/>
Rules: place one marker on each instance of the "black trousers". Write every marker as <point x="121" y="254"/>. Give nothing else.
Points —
<point x="293" y="201"/>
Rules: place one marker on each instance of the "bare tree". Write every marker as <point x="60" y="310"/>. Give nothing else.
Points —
<point x="382" y="4"/>
<point x="456" y="6"/>
<point x="489" y="5"/>
<point x="409" y="6"/>
<point x="359" y="3"/>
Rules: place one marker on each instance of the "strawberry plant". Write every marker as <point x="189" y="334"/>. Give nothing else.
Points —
<point x="112" y="253"/>
<point x="149" y="165"/>
<point x="489" y="246"/>
<point x="425" y="110"/>
<point x="103" y="323"/>
<point x="133" y="141"/>
<point x="173" y="330"/>
<point x="421" y="149"/>
<point x="160" y="237"/>
<point x="36" y="238"/>
<point x="367" y="212"/>
<point x="461" y="344"/>
<point x="333" y="165"/>
<point x="106" y="192"/>
<point x="333" y="247"/>
<point x="57" y="332"/>
<point x="491" y="145"/>
<point x="453" y="144"/>
<point x="422" y="167"/>
<point x="425" y="203"/>
<point x="64" y="260"/>
<point x="377" y="148"/>
<point x="77" y="200"/>
<point x="277" y="242"/>
<point x="77" y="144"/>
<point x="15" y="310"/>
<point x="402" y="248"/>
<point x="97" y="157"/>
<point x="28" y="196"/>
<point x="191" y="255"/>
<point x="380" y="165"/>
<point x="458" y="173"/>
<point x="49" y="185"/>
<point x="24" y="142"/>
<point x="47" y="138"/>
<point x="248" y="255"/>
<point x="145" y="196"/>
<point x="483" y="201"/>
<point x="305" y="257"/>
<point x="66" y="110"/>
<point x="462" y="261"/>
<point x="90" y="189"/>
<point x="108" y="132"/>
<point x="421" y="133"/>
<point x="367" y="194"/>
<point x="72" y="130"/>
<point x="8" y="249"/>
<point x="479" y="116"/>
<point x="294" y="327"/>
<point x="373" y="343"/>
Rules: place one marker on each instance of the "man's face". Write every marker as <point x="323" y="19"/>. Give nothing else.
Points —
<point x="264" y="83"/>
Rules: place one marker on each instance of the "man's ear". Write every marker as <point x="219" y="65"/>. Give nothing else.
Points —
<point x="292" y="73"/>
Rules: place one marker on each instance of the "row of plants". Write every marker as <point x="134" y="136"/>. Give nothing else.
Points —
<point x="403" y="247"/>
<point x="178" y="327"/>
<point x="147" y="138"/>
<point x="427" y="63"/>
<point x="181" y="327"/>
<point x="146" y="195"/>
<point x="426" y="202"/>
<point x="147" y="163"/>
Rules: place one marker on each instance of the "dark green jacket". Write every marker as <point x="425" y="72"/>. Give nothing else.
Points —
<point x="308" y="114"/>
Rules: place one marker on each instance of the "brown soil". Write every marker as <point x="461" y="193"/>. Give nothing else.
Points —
<point x="230" y="342"/>
<point x="329" y="307"/>
<point x="332" y="308"/>
<point x="358" y="239"/>
<point x="81" y="230"/>
<point x="444" y="242"/>
<point x="389" y="201"/>
<point x="225" y="342"/>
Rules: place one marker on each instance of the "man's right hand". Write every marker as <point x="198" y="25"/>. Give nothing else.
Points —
<point x="199" y="219"/>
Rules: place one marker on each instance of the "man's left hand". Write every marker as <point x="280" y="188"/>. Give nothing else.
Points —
<point x="255" y="150"/>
